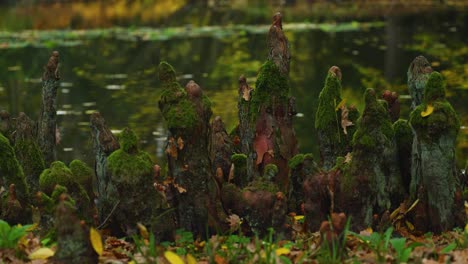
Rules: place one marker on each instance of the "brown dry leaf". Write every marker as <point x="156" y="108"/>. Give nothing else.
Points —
<point x="180" y="143"/>
<point x="220" y="260"/>
<point x="348" y="157"/>
<point x="344" y="119"/>
<point x="180" y="188"/>
<point x="231" y="173"/>
<point x="234" y="222"/>
<point x="171" y="149"/>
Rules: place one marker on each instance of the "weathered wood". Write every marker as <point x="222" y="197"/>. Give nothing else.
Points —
<point x="187" y="113"/>
<point x="27" y="151"/>
<point x="104" y="143"/>
<point x="220" y="149"/>
<point x="433" y="174"/>
<point x="246" y="131"/>
<point x="73" y="241"/>
<point x="418" y="73"/>
<point x="47" y="118"/>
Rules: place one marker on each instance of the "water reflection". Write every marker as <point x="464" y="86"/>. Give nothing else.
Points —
<point x="117" y="76"/>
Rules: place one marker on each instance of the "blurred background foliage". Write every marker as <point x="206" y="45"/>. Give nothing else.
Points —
<point x="110" y="51"/>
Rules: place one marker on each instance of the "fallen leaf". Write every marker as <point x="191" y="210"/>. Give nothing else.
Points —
<point x="191" y="259"/>
<point x="234" y="222"/>
<point x="180" y="188"/>
<point x="42" y="253"/>
<point x="180" y="143"/>
<point x="299" y="217"/>
<point x="173" y="258"/>
<point x="428" y="111"/>
<point x="143" y="231"/>
<point x="348" y="157"/>
<point x="282" y="251"/>
<point x="220" y="260"/>
<point x="96" y="240"/>
<point x="344" y="119"/>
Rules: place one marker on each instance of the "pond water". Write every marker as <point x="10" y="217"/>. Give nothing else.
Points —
<point x="114" y="70"/>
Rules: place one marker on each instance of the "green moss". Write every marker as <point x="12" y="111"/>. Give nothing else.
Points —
<point x="11" y="171"/>
<point x="326" y="117"/>
<point x="181" y="115"/>
<point x="82" y="173"/>
<point x="126" y="167"/>
<point x="58" y="190"/>
<point x="166" y="72"/>
<point x="262" y="185"/>
<point x="177" y="109"/>
<point x="403" y="132"/>
<point x="295" y="161"/>
<point x="443" y="117"/>
<point x="270" y="172"/>
<point x="57" y="174"/>
<point x="128" y="141"/>
<point x="435" y="88"/>
<point x="271" y="87"/>
<point x="239" y="160"/>
<point x="30" y="157"/>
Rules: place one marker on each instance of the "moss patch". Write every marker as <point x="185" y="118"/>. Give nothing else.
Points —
<point x="82" y="173"/>
<point x="57" y="174"/>
<point x="271" y="87"/>
<point x="11" y="171"/>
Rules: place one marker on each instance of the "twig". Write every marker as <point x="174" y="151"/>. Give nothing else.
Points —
<point x="108" y="216"/>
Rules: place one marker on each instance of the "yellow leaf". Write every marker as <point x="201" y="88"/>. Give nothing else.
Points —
<point x="96" y="240"/>
<point x="32" y="227"/>
<point x="191" y="259"/>
<point x="173" y="258"/>
<point x="298" y="217"/>
<point x="143" y="231"/>
<point x="466" y="228"/>
<point x="412" y="206"/>
<point x="343" y="102"/>
<point x="131" y="262"/>
<point x="282" y="251"/>
<point x="410" y="225"/>
<point x="42" y="253"/>
<point x="428" y="111"/>
<point x="224" y="247"/>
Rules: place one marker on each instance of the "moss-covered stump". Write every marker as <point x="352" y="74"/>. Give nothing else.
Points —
<point x="131" y="197"/>
<point x="404" y="141"/>
<point x="418" y="74"/>
<point x="73" y="236"/>
<point x="27" y="151"/>
<point x="433" y="173"/>
<point x="220" y="148"/>
<point x="104" y="143"/>
<point x="11" y="173"/>
<point x="332" y="120"/>
<point x="84" y="175"/>
<point x="60" y="174"/>
<point x="187" y="113"/>
<point x="372" y="183"/>
<point x="271" y="112"/>
<point x="265" y="205"/>
<point x="302" y="166"/>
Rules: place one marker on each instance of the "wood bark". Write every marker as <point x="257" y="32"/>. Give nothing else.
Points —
<point x="104" y="143"/>
<point x="47" y="118"/>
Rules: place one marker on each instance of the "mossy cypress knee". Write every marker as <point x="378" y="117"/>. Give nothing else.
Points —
<point x="84" y="175"/>
<point x="334" y="141"/>
<point x="433" y="174"/>
<point x="373" y="169"/>
<point x="12" y="173"/>
<point x="131" y="191"/>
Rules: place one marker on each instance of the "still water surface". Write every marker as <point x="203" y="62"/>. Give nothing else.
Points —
<point x="114" y="71"/>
